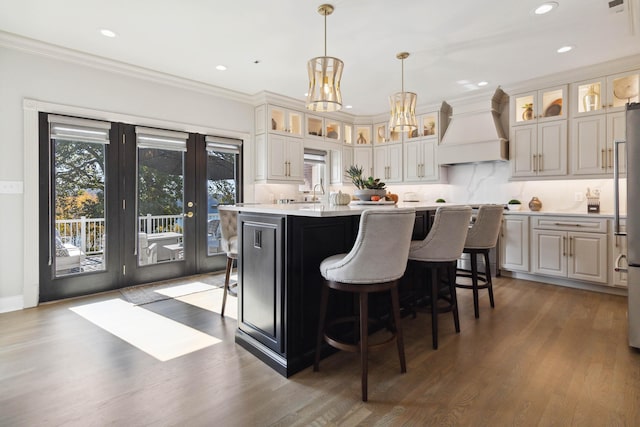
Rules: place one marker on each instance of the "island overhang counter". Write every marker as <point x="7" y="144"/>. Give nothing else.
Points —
<point x="280" y="247"/>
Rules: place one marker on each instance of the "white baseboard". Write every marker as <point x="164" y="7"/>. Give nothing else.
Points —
<point x="11" y="304"/>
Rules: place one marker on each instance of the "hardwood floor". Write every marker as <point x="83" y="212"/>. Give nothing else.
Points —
<point x="546" y="355"/>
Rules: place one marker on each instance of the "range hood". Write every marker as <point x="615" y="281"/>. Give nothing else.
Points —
<point x="476" y="132"/>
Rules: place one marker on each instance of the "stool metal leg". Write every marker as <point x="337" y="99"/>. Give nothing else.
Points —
<point x="434" y="306"/>
<point x="474" y="280"/>
<point x="454" y="298"/>
<point x="364" y="340"/>
<point x="488" y="276"/>
<point x="324" y="299"/>
<point x="227" y="276"/>
<point x="395" y="302"/>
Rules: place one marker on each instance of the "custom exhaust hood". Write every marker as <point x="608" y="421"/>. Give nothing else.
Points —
<point x="476" y="132"/>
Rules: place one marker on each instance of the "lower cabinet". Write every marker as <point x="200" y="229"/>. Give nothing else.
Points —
<point x="558" y="249"/>
<point x="514" y="243"/>
<point x="260" y="308"/>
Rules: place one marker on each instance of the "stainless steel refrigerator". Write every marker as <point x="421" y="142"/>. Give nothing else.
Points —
<point x="632" y="146"/>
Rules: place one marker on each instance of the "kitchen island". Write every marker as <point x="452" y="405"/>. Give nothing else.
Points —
<point x="280" y="250"/>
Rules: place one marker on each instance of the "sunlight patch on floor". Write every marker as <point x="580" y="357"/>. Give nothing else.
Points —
<point x="212" y="301"/>
<point x="152" y="333"/>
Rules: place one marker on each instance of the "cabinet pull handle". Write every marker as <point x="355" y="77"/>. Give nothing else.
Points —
<point x="570" y="246"/>
<point x="564" y="246"/>
<point x="540" y="163"/>
<point x="603" y="158"/>
<point x="567" y="224"/>
<point x="535" y="163"/>
<point x="610" y="158"/>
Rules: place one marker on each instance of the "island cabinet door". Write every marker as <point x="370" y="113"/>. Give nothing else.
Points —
<point x="261" y="279"/>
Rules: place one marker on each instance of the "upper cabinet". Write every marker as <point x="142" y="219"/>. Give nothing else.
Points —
<point x="428" y="127"/>
<point x="604" y="94"/>
<point x="539" y="106"/>
<point x="324" y="128"/>
<point x="362" y="135"/>
<point x="274" y="119"/>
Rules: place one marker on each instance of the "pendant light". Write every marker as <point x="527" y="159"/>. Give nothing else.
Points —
<point x="403" y="106"/>
<point x="325" y="73"/>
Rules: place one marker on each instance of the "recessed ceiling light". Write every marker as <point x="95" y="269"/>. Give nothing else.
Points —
<point x="107" y="33"/>
<point x="564" y="49"/>
<point x="545" y="8"/>
<point x="221" y="67"/>
<point x="348" y="106"/>
<point x="483" y="83"/>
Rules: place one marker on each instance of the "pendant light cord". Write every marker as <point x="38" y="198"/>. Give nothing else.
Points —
<point x="325" y="33"/>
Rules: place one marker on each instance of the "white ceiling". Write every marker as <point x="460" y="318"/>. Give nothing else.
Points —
<point x="499" y="41"/>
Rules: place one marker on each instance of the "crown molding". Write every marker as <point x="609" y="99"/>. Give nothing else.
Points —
<point x="36" y="47"/>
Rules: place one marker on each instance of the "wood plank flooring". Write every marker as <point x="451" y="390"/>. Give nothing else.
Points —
<point x="546" y="355"/>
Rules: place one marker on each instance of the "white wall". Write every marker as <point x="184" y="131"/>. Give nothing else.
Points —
<point x="104" y="94"/>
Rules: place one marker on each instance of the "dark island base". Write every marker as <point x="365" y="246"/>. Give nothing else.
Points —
<point x="279" y="283"/>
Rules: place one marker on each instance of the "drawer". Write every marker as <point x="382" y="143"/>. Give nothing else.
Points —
<point x="567" y="223"/>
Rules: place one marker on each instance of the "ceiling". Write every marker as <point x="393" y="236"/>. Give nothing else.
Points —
<point x="265" y="45"/>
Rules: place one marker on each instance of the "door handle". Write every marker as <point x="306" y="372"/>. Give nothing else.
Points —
<point x="188" y="214"/>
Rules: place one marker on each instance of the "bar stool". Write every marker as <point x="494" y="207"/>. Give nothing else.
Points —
<point x="482" y="236"/>
<point x="229" y="244"/>
<point x="439" y="252"/>
<point x="376" y="261"/>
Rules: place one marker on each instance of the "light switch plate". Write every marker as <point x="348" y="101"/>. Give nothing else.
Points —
<point x="11" y="187"/>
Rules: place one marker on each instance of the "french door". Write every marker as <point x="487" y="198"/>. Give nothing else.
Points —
<point x="122" y="205"/>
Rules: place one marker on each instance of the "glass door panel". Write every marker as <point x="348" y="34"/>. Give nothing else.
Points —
<point x="160" y="196"/>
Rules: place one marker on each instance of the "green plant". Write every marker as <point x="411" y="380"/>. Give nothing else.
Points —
<point x="355" y="174"/>
<point x="514" y="202"/>
<point x="441" y="201"/>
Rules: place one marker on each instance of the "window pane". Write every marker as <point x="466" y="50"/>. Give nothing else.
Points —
<point x="160" y="205"/>
<point x="79" y="193"/>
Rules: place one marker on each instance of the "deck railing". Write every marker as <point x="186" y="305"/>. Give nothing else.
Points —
<point x="88" y="233"/>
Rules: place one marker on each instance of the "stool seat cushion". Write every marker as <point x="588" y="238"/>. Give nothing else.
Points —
<point x="485" y="230"/>
<point x="379" y="253"/>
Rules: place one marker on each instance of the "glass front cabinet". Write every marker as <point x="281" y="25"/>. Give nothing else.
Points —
<point x="284" y="121"/>
<point x="605" y="94"/>
<point x="539" y="106"/>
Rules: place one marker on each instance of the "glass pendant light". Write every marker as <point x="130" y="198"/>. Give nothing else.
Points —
<point x="325" y="73"/>
<point x="403" y="106"/>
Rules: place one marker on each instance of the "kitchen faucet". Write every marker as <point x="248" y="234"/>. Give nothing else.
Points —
<point x="313" y="196"/>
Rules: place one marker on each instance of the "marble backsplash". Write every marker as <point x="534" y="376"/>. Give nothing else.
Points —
<point x="485" y="183"/>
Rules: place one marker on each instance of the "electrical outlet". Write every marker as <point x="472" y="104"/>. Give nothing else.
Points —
<point x="578" y="196"/>
<point x="10" y="187"/>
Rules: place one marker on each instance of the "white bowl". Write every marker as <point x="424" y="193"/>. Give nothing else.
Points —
<point x="514" y="207"/>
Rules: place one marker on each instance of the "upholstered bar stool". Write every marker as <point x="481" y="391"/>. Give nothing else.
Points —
<point x="229" y="244"/>
<point x="439" y="252"/>
<point x="376" y="262"/>
<point x="482" y="236"/>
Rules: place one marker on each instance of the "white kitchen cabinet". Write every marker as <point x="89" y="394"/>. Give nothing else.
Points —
<point x="514" y="243"/>
<point x="324" y="129"/>
<point x="607" y="94"/>
<point x="341" y="159"/>
<point x="592" y="143"/>
<point x="387" y="161"/>
<point x="539" y="106"/>
<point x="363" y="157"/>
<point x="279" y="158"/>
<point x="420" y="161"/>
<point x="539" y="149"/>
<point x="619" y="257"/>
<point x="274" y="119"/>
<point x="559" y="249"/>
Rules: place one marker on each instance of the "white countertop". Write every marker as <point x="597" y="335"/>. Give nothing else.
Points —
<point x="327" y="210"/>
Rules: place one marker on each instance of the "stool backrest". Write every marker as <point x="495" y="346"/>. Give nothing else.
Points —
<point x="381" y="249"/>
<point x="446" y="237"/>
<point x="485" y="230"/>
<point x="228" y="229"/>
